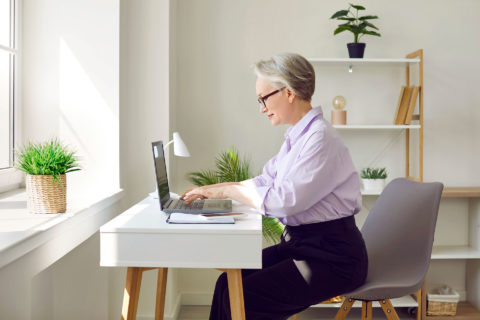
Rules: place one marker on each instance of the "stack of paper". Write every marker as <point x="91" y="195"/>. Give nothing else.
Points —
<point x="178" y="217"/>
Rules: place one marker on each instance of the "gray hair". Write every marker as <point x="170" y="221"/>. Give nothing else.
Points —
<point x="290" y="70"/>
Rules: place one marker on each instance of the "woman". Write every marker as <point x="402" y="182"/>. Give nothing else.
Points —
<point x="312" y="187"/>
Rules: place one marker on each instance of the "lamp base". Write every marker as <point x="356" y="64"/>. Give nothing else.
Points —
<point x="339" y="117"/>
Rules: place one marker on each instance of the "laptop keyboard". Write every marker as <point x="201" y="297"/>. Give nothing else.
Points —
<point x="182" y="205"/>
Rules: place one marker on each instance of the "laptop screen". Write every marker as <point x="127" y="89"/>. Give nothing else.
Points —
<point x="160" y="172"/>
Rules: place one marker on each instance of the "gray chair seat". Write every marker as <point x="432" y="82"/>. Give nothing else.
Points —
<point x="398" y="234"/>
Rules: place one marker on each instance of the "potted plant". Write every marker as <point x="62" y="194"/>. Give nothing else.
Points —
<point x="373" y="179"/>
<point x="230" y="168"/>
<point x="359" y="26"/>
<point x="46" y="165"/>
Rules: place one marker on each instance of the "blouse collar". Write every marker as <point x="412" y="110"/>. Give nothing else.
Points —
<point x="295" y="131"/>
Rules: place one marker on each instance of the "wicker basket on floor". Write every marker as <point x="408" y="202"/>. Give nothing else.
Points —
<point x="46" y="195"/>
<point x="438" y="308"/>
<point x="442" y="302"/>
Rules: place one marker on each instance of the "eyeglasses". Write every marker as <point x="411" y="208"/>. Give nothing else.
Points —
<point x="262" y="100"/>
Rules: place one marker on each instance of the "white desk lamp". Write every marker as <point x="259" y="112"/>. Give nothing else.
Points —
<point x="179" y="147"/>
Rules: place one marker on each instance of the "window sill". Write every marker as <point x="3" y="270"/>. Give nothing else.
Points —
<point x="22" y="232"/>
<point x="10" y="179"/>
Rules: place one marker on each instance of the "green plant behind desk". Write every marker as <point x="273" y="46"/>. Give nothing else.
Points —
<point x="230" y="168"/>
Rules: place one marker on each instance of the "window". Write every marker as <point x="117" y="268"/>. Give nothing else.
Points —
<point x="9" y="106"/>
<point x="8" y="55"/>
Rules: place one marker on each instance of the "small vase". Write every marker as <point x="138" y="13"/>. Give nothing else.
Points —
<point x="373" y="185"/>
<point x="356" y="49"/>
<point x="46" y="195"/>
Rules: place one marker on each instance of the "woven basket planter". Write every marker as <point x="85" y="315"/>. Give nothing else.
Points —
<point x="46" y="195"/>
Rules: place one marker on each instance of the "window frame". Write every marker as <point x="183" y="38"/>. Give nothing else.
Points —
<point x="11" y="178"/>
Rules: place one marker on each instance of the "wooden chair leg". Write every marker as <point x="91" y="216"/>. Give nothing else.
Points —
<point x="423" y="309"/>
<point x="389" y="310"/>
<point x="344" y="309"/>
<point x="131" y="293"/>
<point x="161" y="291"/>
<point x="235" y="291"/>
<point x="366" y="310"/>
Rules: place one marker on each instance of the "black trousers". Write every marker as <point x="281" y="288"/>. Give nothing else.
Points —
<point x="313" y="263"/>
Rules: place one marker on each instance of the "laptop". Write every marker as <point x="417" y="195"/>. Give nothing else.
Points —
<point x="169" y="205"/>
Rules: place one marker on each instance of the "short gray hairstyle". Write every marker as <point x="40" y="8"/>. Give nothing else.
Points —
<point x="290" y="70"/>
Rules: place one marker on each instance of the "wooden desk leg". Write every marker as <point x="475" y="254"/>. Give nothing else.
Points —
<point x="235" y="291"/>
<point x="131" y="293"/>
<point x="161" y="290"/>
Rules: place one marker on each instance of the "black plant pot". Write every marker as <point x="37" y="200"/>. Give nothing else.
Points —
<point x="356" y="49"/>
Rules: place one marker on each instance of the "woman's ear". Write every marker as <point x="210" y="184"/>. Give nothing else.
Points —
<point x="290" y="95"/>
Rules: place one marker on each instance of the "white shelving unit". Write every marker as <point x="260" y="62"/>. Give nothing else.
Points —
<point x="455" y="252"/>
<point x="375" y="127"/>
<point x="350" y="64"/>
<point x="469" y="253"/>
<point x="365" y="61"/>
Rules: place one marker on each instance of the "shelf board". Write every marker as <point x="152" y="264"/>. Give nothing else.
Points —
<point x="376" y="127"/>
<point x="465" y="311"/>
<point x="455" y="252"/>
<point x="461" y="192"/>
<point x="365" y="61"/>
<point x="370" y="193"/>
<point x="406" y="301"/>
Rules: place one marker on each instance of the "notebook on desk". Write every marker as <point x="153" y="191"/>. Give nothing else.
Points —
<point x="185" y="218"/>
<point x="170" y="205"/>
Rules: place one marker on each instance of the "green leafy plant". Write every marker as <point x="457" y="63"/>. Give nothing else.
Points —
<point x="48" y="158"/>
<point x="374" y="173"/>
<point x="231" y="168"/>
<point x="355" y="24"/>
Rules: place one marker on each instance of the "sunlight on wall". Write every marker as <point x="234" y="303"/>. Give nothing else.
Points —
<point x="87" y="122"/>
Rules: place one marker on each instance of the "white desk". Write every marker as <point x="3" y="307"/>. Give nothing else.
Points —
<point x="140" y="239"/>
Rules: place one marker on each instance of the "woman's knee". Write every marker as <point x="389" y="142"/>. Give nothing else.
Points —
<point x="222" y="281"/>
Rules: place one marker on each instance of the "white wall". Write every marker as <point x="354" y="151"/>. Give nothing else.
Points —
<point x="70" y="90"/>
<point x="215" y="105"/>
<point x="217" y="41"/>
<point x="70" y="84"/>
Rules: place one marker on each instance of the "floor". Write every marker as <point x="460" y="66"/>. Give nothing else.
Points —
<point x="201" y="312"/>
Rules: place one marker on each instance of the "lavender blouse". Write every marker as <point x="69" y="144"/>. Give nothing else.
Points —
<point x="312" y="179"/>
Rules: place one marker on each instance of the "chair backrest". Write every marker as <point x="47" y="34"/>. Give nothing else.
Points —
<point x="399" y="231"/>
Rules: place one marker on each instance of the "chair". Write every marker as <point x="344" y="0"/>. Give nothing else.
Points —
<point x="398" y="234"/>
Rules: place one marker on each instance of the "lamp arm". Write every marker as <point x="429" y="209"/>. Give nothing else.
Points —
<point x="165" y="146"/>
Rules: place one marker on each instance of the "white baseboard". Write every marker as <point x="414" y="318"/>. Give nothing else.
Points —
<point x="197" y="298"/>
<point x="192" y="298"/>
<point x="172" y="316"/>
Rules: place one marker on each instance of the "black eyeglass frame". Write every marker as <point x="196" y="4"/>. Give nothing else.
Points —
<point x="261" y="100"/>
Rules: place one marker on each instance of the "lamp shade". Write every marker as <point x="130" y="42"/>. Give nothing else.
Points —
<point x="179" y="147"/>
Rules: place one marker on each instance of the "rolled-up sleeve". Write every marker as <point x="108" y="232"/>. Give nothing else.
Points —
<point x="261" y="183"/>
<point x="308" y="179"/>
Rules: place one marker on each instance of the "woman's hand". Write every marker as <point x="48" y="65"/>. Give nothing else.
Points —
<point x="239" y="191"/>
<point x="215" y="191"/>
<point x="203" y="193"/>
